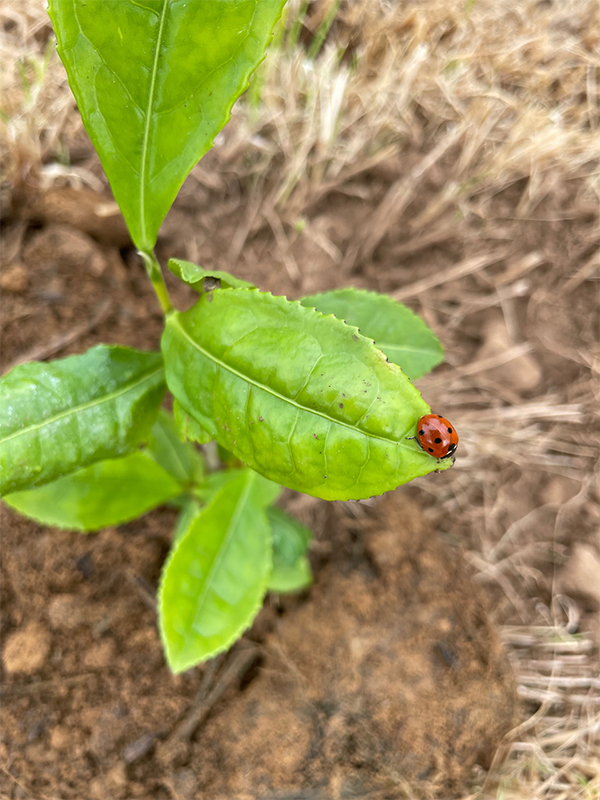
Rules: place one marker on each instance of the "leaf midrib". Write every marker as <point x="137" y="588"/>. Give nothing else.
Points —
<point x="146" y="137"/>
<point x="174" y="320"/>
<point x="226" y="541"/>
<point x="83" y="407"/>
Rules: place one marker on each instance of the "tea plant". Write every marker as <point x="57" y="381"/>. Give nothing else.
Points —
<point x="293" y="393"/>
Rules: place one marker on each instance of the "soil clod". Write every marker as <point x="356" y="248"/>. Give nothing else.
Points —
<point x="375" y="678"/>
<point x="26" y="650"/>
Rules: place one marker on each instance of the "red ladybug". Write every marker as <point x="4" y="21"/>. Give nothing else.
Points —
<point x="437" y="436"/>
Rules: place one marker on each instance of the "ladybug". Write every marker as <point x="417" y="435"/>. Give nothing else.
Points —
<point x="437" y="436"/>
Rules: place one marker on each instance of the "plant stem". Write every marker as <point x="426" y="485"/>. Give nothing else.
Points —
<point x="156" y="278"/>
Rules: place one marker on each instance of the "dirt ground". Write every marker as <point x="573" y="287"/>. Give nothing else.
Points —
<point x="388" y="672"/>
<point x="390" y="677"/>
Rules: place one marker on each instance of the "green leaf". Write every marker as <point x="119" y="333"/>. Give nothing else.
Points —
<point x="67" y="414"/>
<point x="214" y="581"/>
<point x="286" y="579"/>
<point x="227" y="458"/>
<point x="291" y="569"/>
<point x="194" y="276"/>
<point x="302" y="398"/>
<point x="188" y="427"/>
<point x="107" y="493"/>
<point x="188" y="513"/>
<point x="398" y="332"/>
<point x="180" y="459"/>
<point x="214" y="482"/>
<point x="155" y="82"/>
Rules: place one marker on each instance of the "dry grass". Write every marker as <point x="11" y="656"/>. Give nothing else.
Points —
<point x="38" y="121"/>
<point x="497" y="88"/>
<point x="470" y="134"/>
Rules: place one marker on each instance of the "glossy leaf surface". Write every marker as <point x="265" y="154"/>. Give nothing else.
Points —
<point x="194" y="276"/>
<point x="291" y="570"/>
<point x="398" y="332"/>
<point x="180" y="459"/>
<point x="300" y="397"/>
<point x="60" y="416"/>
<point x="107" y="493"/>
<point x="155" y="81"/>
<point x="214" y="581"/>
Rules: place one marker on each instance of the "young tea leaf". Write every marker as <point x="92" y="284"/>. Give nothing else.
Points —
<point x="286" y="579"/>
<point x="57" y="417"/>
<point x="107" y="493"/>
<point x="194" y="276"/>
<point x="187" y="515"/>
<point x="180" y="459"/>
<point x="302" y="398"/>
<point x="398" y="332"/>
<point x="291" y="570"/>
<point x="214" y="482"/>
<point x="214" y="581"/>
<point x="155" y="82"/>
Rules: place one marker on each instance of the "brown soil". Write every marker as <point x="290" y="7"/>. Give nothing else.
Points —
<point x="387" y="674"/>
<point x="89" y="708"/>
<point x="391" y="676"/>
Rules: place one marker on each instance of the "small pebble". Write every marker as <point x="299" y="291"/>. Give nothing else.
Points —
<point x="14" y="279"/>
<point x="60" y="738"/>
<point x="65" y="612"/>
<point x="27" y="650"/>
<point x="138" y="748"/>
<point x="100" y="655"/>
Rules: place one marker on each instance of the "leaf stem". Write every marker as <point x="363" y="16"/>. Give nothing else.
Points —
<point x="156" y="278"/>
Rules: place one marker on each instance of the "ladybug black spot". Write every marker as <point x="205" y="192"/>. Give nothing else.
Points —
<point x="430" y="449"/>
<point x="421" y="433"/>
<point x="438" y="440"/>
<point x="449" y="430"/>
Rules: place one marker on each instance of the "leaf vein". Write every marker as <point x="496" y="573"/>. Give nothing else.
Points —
<point x="221" y="365"/>
<point x="223" y="549"/>
<point x="145" y="140"/>
<point x="83" y="407"/>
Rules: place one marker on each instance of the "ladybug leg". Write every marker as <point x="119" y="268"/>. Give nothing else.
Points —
<point x="411" y="437"/>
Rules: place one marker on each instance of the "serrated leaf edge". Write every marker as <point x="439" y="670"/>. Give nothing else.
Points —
<point x="174" y="318"/>
<point x="378" y="344"/>
<point x="216" y="273"/>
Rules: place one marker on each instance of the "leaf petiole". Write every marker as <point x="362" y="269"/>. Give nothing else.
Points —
<point x="156" y="278"/>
